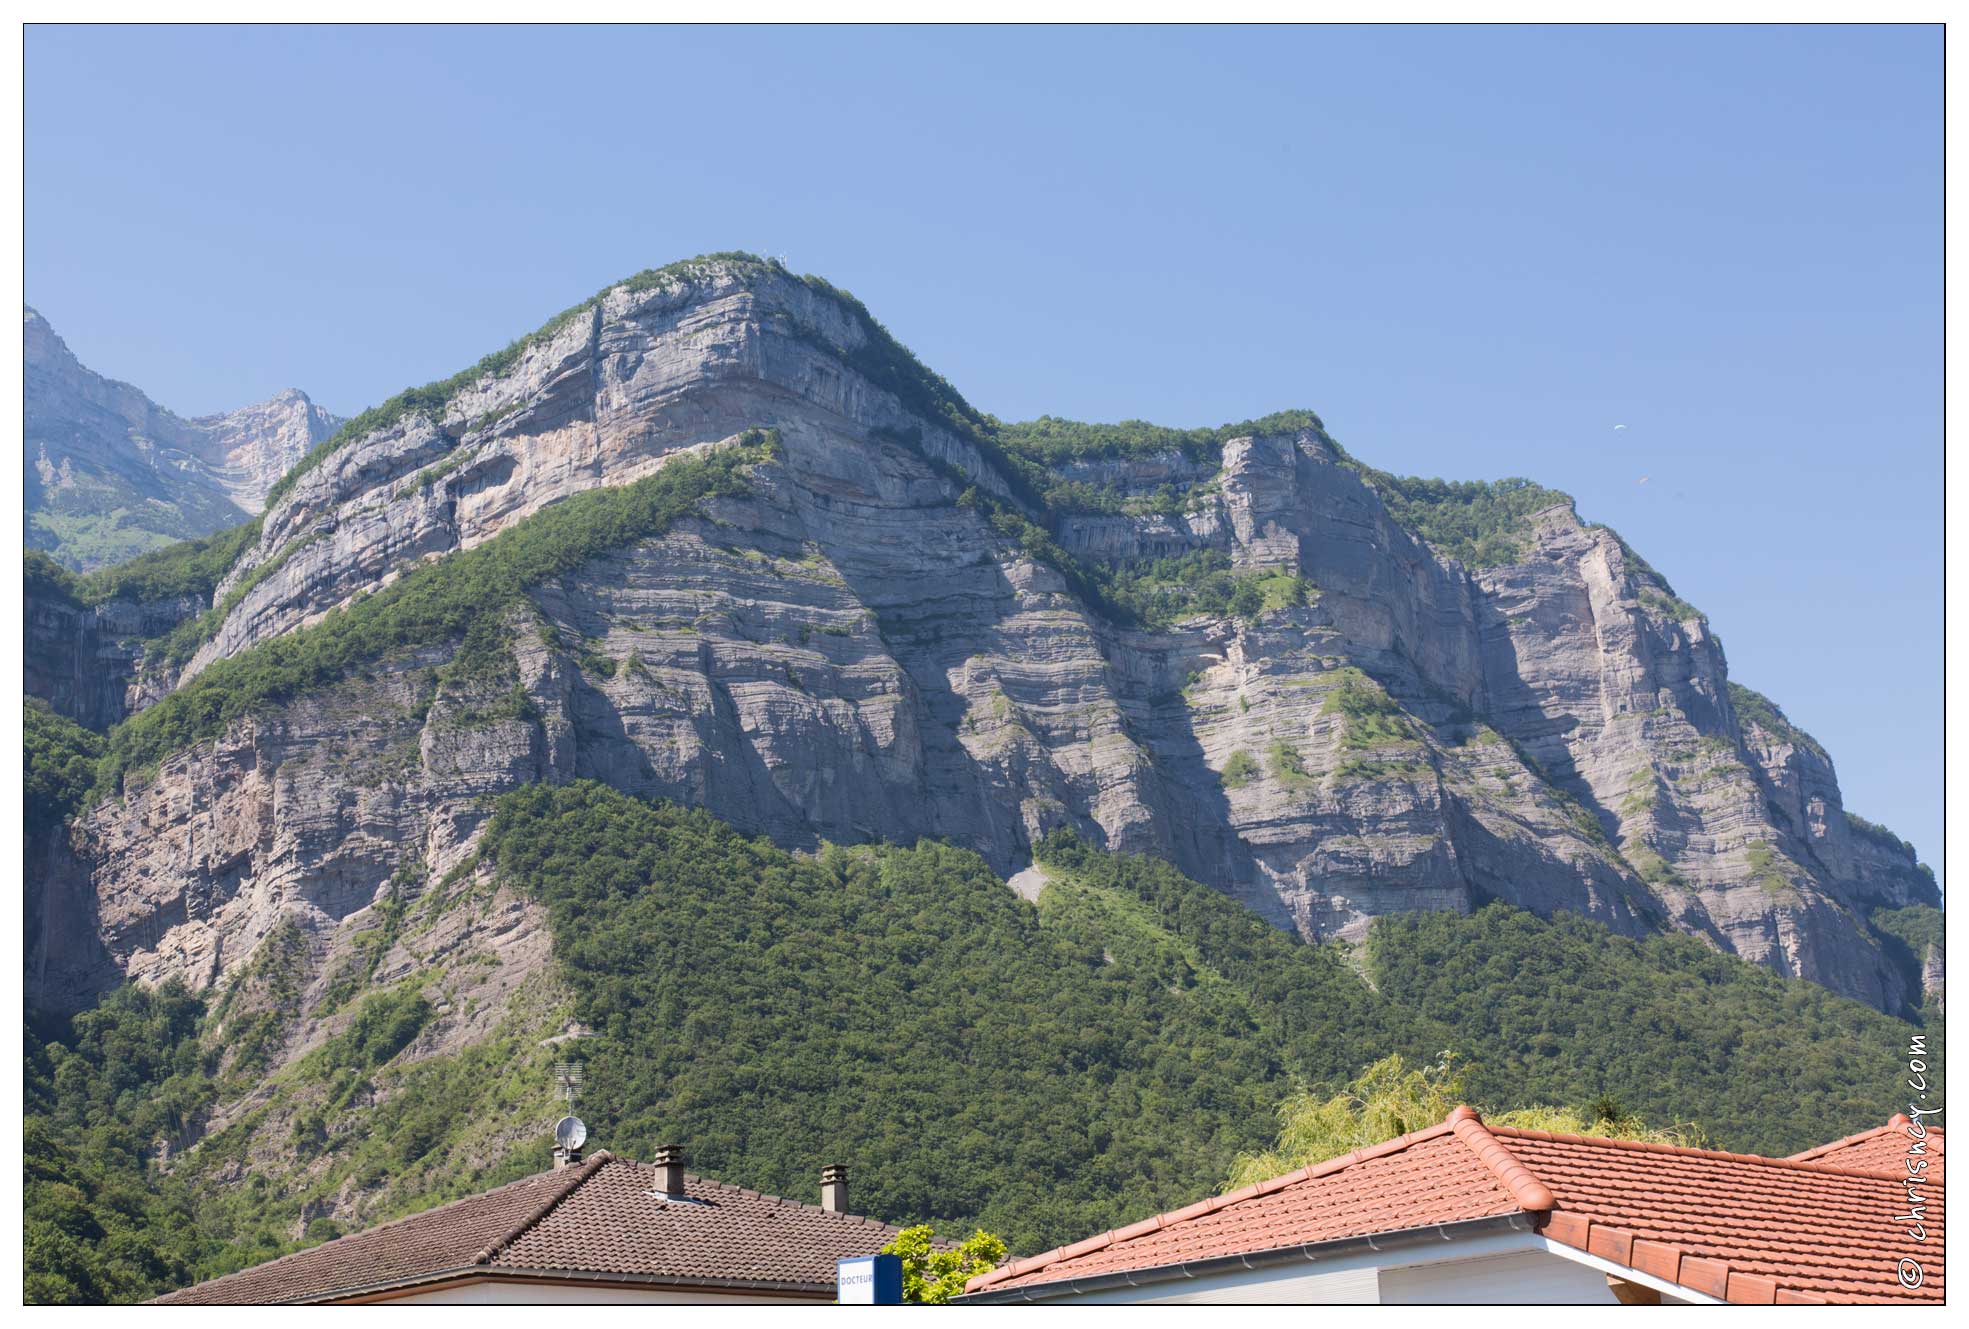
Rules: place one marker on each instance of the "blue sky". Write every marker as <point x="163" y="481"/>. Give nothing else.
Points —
<point x="1472" y="250"/>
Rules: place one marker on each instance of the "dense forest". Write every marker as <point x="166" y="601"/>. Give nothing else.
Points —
<point x="1043" y="1072"/>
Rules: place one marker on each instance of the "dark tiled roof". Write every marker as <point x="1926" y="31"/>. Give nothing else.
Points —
<point x="598" y="1218"/>
<point x="1734" y="1226"/>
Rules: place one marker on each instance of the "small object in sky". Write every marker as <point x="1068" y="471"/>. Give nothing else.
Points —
<point x="1620" y="426"/>
<point x="1644" y="479"/>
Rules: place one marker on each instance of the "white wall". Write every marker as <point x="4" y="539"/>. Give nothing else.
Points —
<point x="1290" y="1285"/>
<point x="1494" y="1268"/>
<point x="487" y="1292"/>
<point x="1534" y="1277"/>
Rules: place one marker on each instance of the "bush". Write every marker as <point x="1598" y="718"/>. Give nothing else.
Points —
<point x="931" y="1277"/>
<point x="1240" y="769"/>
<point x="61" y="760"/>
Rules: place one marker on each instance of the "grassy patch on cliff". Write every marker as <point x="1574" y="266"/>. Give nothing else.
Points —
<point x="187" y="568"/>
<point x="433" y="602"/>
<point x="1754" y="708"/>
<point x="1480" y="523"/>
<point x="1157" y="592"/>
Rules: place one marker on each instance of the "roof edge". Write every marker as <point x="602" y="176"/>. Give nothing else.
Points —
<point x="524" y="1274"/>
<point x="1308" y="1252"/>
<point x="308" y="1251"/>
<point x="1703" y="1275"/>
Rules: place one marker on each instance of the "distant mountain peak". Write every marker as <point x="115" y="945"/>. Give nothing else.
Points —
<point x="111" y="474"/>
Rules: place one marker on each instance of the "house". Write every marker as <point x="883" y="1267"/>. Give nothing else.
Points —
<point x="1466" y="1212"/>
<point x="604" y="1230"/>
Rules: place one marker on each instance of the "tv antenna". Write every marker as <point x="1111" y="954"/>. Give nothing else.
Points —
<point x="568" y="1074"/>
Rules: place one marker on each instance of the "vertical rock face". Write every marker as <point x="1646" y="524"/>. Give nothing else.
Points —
<point x="84" y="660"/>
<point x="110" y="474"/>
<point x="858" y="650"/>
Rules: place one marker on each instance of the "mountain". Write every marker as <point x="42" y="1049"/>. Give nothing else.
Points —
<point x="110" y="474"/>
<point x="1235" y="649"/>
<point x="714" y="540"/>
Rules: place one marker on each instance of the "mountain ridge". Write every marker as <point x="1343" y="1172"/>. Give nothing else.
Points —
<point x="1448" y="773"/>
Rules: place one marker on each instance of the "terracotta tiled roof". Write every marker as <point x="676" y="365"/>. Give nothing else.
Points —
<point x="1884" y="1148"/>
<point x="1419" y="1180"/>
<point x="597" y="1219"/>
<point x="1735" y="1226"/>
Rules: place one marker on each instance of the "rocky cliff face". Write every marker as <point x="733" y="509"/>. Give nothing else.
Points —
<point x="111" y="474"/>
<point x="83" y="660"/>
<point x="864" y="647"/>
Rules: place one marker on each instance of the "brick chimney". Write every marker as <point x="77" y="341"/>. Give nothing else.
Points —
<point x="834" y="1188"/>
<point x="670" y="1171"/>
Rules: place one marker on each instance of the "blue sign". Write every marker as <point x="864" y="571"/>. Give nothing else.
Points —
<point x="869" y="1280"/>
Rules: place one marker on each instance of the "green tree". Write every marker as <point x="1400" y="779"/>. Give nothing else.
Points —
<point x="60" y="763"/>
<point x="932" y="1276"/>
<point x="1394" y="1097"/>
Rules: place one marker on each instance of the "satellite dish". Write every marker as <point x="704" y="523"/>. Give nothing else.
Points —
<point x="569" y="1132"/>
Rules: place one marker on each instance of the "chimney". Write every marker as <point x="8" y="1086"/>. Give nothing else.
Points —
<point x="670" y="1171"/>
<point x="834" y="1188"/>
<point x="565" y="1157"/>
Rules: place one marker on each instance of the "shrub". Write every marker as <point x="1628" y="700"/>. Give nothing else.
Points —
<point x="1240" y="770"/>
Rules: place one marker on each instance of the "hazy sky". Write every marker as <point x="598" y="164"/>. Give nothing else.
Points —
<point x="1473" y="251"/>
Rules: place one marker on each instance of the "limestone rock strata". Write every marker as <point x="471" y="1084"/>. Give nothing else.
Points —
<point x="852" y="653"/>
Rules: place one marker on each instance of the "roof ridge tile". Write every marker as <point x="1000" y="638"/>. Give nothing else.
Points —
<point x="1900" y="1121"/>
<point x="576" y="1176"/>
<point x="1533" y="1195"/>
<point x="776" y="1199"/>
<point x="1690" y="1151"/>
